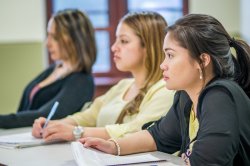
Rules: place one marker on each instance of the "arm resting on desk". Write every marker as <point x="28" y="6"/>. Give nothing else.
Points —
<point x="129" y="144"/>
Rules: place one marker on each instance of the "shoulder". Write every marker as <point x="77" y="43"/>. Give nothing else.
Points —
<point x="229" y="84"/>
<point x="78" y="76"/>
<point x="124" y="82"/>
<point x="223" y="87"/>
<point x="119" y="88"/>
<point x="158" y="85"/>
<point x="223" y="95"/>
<point x="78" y="79"/>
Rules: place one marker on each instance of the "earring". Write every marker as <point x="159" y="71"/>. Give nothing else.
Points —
<point x="201" y="74"/>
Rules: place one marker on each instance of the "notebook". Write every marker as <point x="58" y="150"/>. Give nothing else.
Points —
<point x="88" y="156"/>
<point x="21" y="140"/>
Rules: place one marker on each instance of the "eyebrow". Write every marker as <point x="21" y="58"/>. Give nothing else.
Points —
<point x="122" y="35"/>
<point x="166" y="49"/>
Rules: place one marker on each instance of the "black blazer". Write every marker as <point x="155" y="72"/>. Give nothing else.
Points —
<point x="72" y="92"/>
<point x="223" y="137"/>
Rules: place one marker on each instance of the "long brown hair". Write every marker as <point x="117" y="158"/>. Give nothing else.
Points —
<point x="150" y="28"/>
<point x="75" y="33"/>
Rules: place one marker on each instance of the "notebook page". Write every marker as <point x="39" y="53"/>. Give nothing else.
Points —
<point x="84" y="156"/>
<point x="19" y="140"/>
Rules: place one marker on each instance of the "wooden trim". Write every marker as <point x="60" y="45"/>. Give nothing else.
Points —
<point x="48" y="16"/>
<point x="185" y="7"/>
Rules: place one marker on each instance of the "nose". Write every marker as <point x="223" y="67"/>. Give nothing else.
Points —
<point x="47" y="41"/>
<point x="114" y="47"/>
<point x="163" y="65"/>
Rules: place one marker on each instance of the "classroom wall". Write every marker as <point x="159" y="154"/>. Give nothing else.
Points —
<point x="22" y="53"/>
<point x="245" y="17"/>
<point x="22" y="34"/>
<point x="226" y="11"/>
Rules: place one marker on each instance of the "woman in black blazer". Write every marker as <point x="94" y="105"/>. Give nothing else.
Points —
<point x="71" y="44"/>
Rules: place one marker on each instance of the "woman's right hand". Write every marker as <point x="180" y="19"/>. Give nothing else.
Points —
<point x="38" y="127"/>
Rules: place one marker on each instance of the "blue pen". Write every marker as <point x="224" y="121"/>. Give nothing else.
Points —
<point x="52" y="112"/>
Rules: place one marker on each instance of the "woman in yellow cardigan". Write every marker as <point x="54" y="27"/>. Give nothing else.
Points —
<point x="132" y="102"/>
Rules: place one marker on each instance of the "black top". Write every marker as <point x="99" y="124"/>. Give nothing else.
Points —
<point x="71" y="92"/>
<point x="223" y="137"/>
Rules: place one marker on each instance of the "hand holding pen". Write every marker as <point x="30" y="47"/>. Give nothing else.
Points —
<point x="41" y="123"/>
<point x="51" y="114"/>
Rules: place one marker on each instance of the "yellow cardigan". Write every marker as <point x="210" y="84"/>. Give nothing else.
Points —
<point x="105" y="109"/>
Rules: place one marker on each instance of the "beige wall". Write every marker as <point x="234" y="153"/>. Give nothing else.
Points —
<point x="19" y="63"/>
<point x="22" y="55"/>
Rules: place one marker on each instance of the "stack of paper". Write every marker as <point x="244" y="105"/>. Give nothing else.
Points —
<point x="88" y="156"/>
<point x="22" y="140"/>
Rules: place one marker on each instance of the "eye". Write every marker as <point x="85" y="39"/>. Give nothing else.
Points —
<point x="55" y="37"/>
<point x="124" y="41"/>
<point x="169" y="55"/>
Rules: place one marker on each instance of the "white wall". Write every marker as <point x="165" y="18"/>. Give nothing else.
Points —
<point x="226" y="11"/>
<point x="22" y="20"/>
<point x="245" y="20"/>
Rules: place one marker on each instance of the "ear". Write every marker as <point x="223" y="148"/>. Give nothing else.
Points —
<point x="205" y="59"/>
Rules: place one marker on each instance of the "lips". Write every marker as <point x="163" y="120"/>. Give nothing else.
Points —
<point x="51" y="51"/>
<point x="165" y="78"/>
<point x="116" y="58"/>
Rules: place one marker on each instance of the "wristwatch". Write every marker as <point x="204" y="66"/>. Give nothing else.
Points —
<point x="78" y="132"/>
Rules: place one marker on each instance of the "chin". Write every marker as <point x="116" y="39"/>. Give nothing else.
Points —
<point x="169" y="87"/>
<point x="55" y="58"/>
<point x="120" y="68"/>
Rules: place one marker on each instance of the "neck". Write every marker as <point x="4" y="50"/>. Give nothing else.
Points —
<point x="66" y="66"/>
<point x="62" y="70"/>
<point x="194" y="92"/>
<point x="140" y="78"/>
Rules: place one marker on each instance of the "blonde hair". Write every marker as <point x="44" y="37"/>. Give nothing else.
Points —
<point x="150" y="28"/>
<point x="75" y="33"/>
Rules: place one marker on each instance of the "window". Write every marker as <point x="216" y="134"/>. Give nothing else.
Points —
<point x="105" y="15"/>
<point x="171" y="10"/>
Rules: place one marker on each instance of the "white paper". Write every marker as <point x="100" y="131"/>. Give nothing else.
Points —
<point x="19" y="140"/>
<point x="87" y="156"/>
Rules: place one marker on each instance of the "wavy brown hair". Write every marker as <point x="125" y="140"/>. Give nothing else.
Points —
<point x="75" y="33"/>
<point x="150" y="28"/>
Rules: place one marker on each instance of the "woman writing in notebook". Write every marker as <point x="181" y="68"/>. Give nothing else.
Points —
<point x="208" y="123"/>
<point x="71" y="44"/>
<point x="130" y="103"/>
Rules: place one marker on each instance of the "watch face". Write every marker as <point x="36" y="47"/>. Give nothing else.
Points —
<point x="78" y="131"/>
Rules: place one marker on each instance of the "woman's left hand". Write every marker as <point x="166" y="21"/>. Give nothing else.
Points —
<point x="99" y="144"/>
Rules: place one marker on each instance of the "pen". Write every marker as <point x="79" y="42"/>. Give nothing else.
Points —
<point x="52" y="112"/>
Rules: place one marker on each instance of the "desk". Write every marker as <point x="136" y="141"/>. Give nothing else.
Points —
<point x="53" y="155"/>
